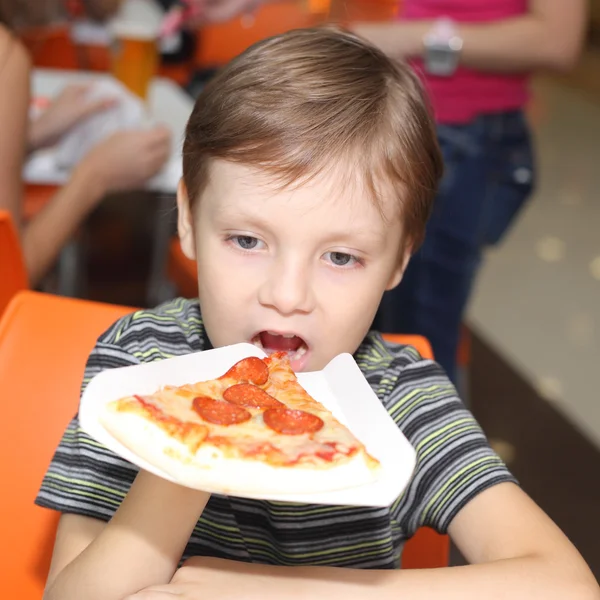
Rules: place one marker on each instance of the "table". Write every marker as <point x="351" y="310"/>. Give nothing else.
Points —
<point x="169" y="105"/>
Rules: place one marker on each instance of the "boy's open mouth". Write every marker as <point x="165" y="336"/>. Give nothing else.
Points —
<point x="272" y="341"/>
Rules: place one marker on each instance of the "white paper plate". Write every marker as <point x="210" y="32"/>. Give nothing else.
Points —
<point x="340" y="386"/>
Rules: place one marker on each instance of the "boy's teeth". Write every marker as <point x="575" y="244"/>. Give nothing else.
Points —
<point x="288" y="336"/>
<point x="300" y="352"/>
<point x="293" y="355"/>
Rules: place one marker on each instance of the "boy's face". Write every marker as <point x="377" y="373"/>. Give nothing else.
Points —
<point x="300" y="270"/>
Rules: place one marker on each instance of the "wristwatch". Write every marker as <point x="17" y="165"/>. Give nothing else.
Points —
<point x="442" y="48"/>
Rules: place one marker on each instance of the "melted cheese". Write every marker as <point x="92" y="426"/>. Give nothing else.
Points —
<point x="332" y="445"/>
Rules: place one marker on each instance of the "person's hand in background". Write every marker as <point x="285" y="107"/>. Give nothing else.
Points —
<point x="70" y="107"/>
<point x="126" y="159"/>
<point x="195" y="13"/>
<point x="218" y="11"/>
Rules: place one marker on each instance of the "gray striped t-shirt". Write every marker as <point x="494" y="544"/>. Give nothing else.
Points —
<point x="454" y="463"/>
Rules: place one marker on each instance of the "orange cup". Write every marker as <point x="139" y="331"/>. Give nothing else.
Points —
<point x="134" y="56"/>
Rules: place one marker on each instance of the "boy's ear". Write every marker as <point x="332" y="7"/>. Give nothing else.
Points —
<point x="398" y="272"/>
<point x="185" y="222"/>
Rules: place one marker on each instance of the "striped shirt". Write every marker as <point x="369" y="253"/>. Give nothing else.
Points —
<point x="454" y="462"/>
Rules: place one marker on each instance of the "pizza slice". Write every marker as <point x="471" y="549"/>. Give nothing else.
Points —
<point x="254" y="430"/>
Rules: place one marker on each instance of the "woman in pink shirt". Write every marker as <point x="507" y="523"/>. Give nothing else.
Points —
<point x="475" y="58"/>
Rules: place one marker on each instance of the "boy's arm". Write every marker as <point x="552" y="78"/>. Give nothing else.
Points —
<point x="515" y="550"/>
<point x="140" y="546"/>
<point x="549" y="35"/>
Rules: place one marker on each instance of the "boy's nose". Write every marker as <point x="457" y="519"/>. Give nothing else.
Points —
<point x="288" y="289"/>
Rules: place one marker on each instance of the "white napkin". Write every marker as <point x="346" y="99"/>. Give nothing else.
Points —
<point x="128" y="113"/>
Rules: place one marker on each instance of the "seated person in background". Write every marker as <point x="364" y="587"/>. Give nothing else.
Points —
<point x="100" y="9"/>
<point x="124" y="161"/>
<point x="310" y="166"/>
<point x="44" y="12"/>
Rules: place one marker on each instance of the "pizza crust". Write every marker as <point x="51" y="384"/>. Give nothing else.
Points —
<point x="209" y="470"/>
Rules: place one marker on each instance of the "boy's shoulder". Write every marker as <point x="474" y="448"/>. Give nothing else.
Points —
<point x="170" y="329"/>
<point x="410" y="387"/>
<point x="376" y="351"/>
<point x="391" y="363"/>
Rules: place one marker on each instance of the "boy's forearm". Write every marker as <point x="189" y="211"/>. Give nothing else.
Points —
<point x="141" y="546"/>
<point x="527" y="578"/>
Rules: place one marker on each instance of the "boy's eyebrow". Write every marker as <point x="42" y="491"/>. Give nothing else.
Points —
<point x="362" y="234"/>
<point x="224" y="215"/>
<point x="339" y="235"/>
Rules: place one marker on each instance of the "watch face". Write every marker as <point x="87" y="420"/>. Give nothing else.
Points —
<point x="441" y="60"/>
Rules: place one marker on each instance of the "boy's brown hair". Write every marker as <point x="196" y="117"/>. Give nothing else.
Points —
<point x="299" y="103"/>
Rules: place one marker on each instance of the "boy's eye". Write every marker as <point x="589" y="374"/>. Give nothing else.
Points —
<point x="341" y="259"/>
<point x="245" y="242"/>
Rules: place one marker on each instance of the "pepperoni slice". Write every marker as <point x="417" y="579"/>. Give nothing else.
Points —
<point x="219" y="412"/>
<point x="251" y="369"/>
<point x="291" y="422"/>
<point x="250" y="396"/>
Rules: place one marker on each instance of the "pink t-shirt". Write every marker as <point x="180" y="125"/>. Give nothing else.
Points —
<point x="468" y="93"/>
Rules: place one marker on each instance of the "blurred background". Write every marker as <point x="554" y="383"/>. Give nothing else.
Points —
<point x="531" y="345"/>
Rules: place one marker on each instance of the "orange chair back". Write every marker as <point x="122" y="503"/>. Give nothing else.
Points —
<point x="219" y="43"/>
<point x="44" y="344"/>
<point x="50" y="47"/>
<point x="418" y="342"/>
<point x="364" y="10"/>
<point x="13" y="275"/>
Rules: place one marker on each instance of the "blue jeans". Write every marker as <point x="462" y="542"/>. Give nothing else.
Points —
<point x="489" y="173"/>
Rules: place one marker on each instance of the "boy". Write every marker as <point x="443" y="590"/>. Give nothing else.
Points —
<point x="310" y="164"/>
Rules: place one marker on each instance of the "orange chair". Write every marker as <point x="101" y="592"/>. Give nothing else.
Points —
<point x="463" y="365"/>
<point x="13" y="275"/>
<point x="219" y="43"/>
<point x="44" y="344"/>
<point x="50" y="47"/>
<point x="427" y="549"/>
<point x="364" y="10"/>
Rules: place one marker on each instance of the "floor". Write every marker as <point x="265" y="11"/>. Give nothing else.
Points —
<point x="538" y="298"/>
<point x="535" y="315"/>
